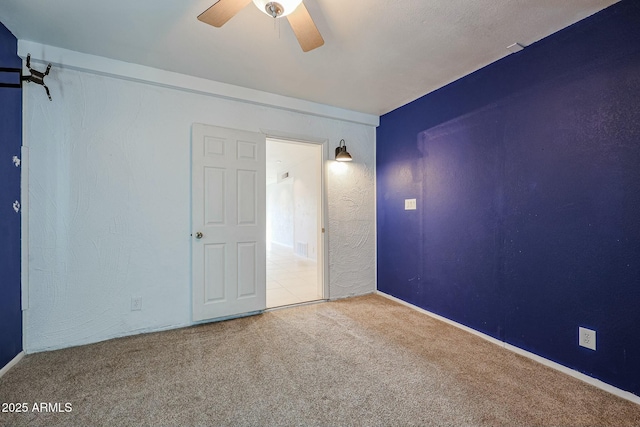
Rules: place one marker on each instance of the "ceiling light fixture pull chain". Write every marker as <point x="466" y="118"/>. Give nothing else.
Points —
<point x="276" y="27"/>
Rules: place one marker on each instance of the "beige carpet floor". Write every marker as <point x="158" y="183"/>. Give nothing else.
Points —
<point x="363" y="361"/>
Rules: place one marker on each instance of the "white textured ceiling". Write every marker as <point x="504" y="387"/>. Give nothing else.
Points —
<point x="378" y="55"/>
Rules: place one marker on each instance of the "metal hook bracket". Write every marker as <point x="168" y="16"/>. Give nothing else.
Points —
<point x="37" y="76"/>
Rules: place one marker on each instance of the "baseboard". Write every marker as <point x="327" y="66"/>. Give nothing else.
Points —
<point x="11" y="364"/>
<point x="554" y="365"/>
<point x="281" y="245"/>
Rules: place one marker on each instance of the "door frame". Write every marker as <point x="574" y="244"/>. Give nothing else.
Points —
<point x="323" y="241"/>
<point x="323" y="245"/>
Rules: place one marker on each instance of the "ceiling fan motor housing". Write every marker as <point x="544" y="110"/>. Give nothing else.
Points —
<point x="277" y="9"/>
<point x="274" y="9"/>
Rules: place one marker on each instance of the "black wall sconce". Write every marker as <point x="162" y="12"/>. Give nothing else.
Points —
<point x="342" y="155"/>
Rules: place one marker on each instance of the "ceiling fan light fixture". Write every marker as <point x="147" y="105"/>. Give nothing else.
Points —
<point x="277" y="9"/>
<point x="296" y="12"/>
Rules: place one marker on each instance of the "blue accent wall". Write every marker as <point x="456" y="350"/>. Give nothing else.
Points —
<point x="527" y="180"/>
<point x="10" y="143"/>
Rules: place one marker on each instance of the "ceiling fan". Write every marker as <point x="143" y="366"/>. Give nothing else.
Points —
<point x="297" y="14"/>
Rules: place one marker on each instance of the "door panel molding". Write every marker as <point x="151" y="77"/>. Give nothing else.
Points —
<point x="228" y="209"/>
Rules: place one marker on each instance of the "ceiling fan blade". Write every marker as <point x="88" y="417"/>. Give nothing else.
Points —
<point x="305" y="29"/>
<point x="223" y="10"/>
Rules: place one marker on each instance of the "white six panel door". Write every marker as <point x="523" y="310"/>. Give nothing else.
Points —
<point x="228" y="209"/>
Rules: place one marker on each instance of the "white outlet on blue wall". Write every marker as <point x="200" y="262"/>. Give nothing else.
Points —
<point x="587" y="338"/>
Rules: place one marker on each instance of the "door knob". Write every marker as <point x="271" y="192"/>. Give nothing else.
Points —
<point x="199" y="235"/>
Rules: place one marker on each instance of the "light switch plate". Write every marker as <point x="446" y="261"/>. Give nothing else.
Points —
<point x="410" y="204"/>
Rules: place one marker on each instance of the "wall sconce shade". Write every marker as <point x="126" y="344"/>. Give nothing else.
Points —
<point x="342" y="155"/>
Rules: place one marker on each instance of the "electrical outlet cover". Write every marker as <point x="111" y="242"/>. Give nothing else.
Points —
<point x="587" y="338"/>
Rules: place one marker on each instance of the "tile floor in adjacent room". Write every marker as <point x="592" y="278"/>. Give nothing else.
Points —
<point x="291" y="279"/>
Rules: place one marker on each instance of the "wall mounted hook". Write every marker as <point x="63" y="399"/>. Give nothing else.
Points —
<point x="37" y="76"/>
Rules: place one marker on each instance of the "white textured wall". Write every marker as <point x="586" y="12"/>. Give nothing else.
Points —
<point x="109" y="194"/>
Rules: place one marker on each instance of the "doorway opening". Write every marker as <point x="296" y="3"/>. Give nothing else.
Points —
<point x="294" y="222"/>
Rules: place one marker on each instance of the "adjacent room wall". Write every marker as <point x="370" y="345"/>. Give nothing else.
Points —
<point x="110" y="202"/>
<point x="305" y="198"/>
<point x="280" y="212"/>
<point x="527" y="180"/>
<point x="10" y="143"/>
<point x="292" y="206"/>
